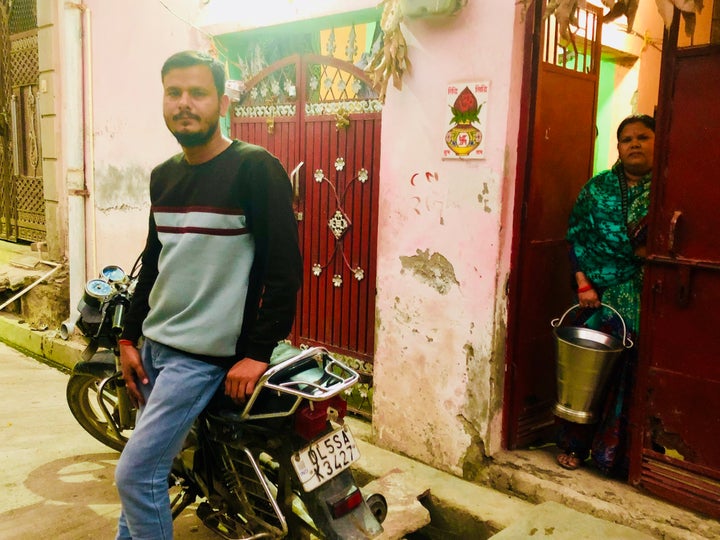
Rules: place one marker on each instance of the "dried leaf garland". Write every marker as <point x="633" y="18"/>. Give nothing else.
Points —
<point x="391" y="60"/>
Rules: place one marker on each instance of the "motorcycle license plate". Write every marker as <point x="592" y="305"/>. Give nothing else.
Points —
<point x="325" y="458"/>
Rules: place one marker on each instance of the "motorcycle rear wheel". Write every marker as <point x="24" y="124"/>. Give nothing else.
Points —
<point x="82" y="398"/>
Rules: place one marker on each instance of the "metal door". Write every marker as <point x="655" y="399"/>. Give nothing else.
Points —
<point x="22" y="202"/>
<point x="319" y="116"/>
<point x="677" y="420"/>
<point x="8" y="215"/>
<point x="559" y="162"/>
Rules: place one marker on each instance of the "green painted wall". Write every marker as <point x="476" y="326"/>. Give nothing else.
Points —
<point x="604" y="146"/>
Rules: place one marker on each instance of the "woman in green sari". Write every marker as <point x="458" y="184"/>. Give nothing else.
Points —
<point x="606" y="236"/>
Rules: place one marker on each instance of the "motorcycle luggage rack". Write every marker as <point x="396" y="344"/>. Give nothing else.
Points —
<point x="298" y="377"/>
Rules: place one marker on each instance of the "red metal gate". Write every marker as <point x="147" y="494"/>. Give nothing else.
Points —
<point x="321" y="118"/>
<point x="675" y="441"/>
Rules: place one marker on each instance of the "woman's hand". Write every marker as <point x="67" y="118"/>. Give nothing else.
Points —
<point x="132" y="372"/>
<point x="589" y="299"/>
<point x="587" y="295"/>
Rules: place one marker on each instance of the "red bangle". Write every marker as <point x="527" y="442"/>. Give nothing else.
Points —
<point x="585" y="288"/>
<point x="125" y="342"/>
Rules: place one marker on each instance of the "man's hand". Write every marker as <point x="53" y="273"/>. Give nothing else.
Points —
<point x="242" y="378"/>
<point x="132" y="372"/>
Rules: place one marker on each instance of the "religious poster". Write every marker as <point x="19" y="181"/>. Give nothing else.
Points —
<point x="466" y="113"/>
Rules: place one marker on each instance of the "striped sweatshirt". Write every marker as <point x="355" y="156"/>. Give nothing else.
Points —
<point x="221" y="266"/>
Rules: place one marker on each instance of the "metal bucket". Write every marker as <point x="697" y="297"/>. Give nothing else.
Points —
<point x="585" y="359"/>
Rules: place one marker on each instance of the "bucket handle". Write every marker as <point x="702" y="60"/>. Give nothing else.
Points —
<point x="627" y="342"/>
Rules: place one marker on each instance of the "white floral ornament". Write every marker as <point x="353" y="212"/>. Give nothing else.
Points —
<point x="363" y="175"/>
<point x="338" y="224"/>
<point x="316" y="269"/>
<point x="319" y="175"/>
<point x="337" y="280"/>
<point x="359" y="273"/>
<point x="339" y="164"/>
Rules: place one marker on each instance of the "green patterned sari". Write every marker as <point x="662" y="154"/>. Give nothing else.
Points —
<point x="604" y="230"/>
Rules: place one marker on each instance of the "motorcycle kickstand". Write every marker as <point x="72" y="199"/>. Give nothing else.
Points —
<point x="181" y="501"/>
<point x="226" y="527"/>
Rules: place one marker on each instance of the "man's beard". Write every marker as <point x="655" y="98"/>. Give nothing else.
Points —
<point x="189" y="140"/>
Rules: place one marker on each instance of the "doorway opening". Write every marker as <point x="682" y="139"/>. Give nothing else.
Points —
<point x="673" y="418"/>
<point x="586" y="74"/>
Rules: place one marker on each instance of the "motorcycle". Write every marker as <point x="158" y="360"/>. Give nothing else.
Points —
<point x="277" y="467"/>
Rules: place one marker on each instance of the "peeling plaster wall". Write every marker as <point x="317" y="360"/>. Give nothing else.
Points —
<point x="443" y="245"/>
<point x="129" y="135"/>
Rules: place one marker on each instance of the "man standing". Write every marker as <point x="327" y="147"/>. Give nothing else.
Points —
<point x="217" y="288"/>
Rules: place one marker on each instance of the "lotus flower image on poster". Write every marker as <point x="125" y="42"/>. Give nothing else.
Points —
<point x="467" y="112"/>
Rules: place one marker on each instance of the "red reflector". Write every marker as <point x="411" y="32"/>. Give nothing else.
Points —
<point x="309" y="423"/>
<point x="346" y="504"/>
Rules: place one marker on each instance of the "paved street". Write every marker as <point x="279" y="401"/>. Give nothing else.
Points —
<point x="57" y="481"/>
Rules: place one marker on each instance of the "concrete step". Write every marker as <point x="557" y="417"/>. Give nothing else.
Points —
<point x="556" y="521"/>
<point x="405" y="512"/>
<point x="457" y="509"/>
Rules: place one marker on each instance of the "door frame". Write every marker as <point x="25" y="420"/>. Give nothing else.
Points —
<point x="525" y="422"/>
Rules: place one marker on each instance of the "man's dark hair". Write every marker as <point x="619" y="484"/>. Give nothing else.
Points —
<point x="185" y="59"/>
<point x="647" y="121"/>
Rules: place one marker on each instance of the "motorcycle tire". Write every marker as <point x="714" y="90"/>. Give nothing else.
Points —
<point x="81" y="393"/>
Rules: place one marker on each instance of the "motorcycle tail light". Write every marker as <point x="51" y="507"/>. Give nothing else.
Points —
<point x="312" y="421"/>
<point x="346" y="505"/>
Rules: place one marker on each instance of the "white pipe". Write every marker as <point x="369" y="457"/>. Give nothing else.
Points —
<point x="74" y="154"/>
<point x="56" y="267"/>
<point x="89" y="139"/>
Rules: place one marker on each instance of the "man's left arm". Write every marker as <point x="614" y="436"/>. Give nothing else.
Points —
<point x="278" y="269"/>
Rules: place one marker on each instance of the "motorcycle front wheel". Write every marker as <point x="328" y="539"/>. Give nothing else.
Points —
<point x="82" y="397"/>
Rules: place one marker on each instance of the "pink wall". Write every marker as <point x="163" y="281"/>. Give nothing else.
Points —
<point x="442" y="263"/>
<point x="129" y="41"/>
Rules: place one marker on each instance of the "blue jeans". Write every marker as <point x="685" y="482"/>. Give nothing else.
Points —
<point x="179" y="388"/>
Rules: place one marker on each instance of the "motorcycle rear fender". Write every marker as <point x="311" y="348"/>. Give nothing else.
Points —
<point x="360" y="523"/>
<point x="101" y="365"/>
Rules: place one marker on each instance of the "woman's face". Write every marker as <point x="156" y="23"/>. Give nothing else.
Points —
<point x="635" y="147"/>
